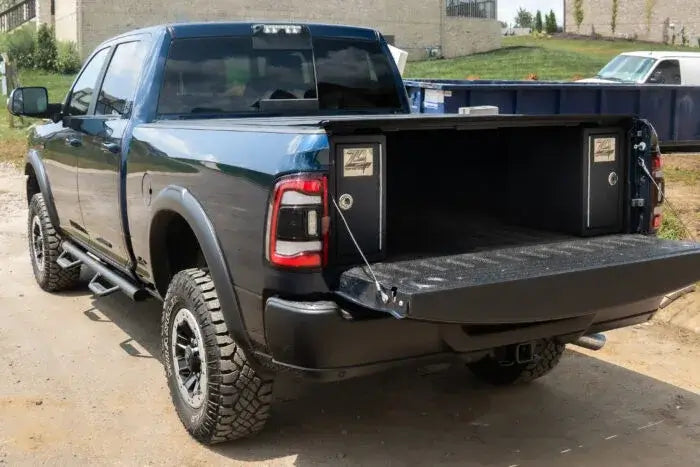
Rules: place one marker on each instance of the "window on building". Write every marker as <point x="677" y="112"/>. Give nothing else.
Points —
<point x="17" y="14"/>
<point x="81" y="95"/>
<point x="471" y="8"/>
<point x="119" y="85"/>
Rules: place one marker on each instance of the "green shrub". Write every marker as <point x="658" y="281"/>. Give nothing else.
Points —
<point x="46" y="52"/>
<point x="20" y="45"/>
<point x="67" y="59"/>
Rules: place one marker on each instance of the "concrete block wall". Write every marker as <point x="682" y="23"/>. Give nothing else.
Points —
<point x="65" y="20"/>
<point x="464" y="36"/>
<point x="632" y="21"/>
<point x="415" y="24"/>
<point x="43" y="11"/>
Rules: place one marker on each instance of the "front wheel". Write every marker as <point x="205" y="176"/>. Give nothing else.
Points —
<point x="217" y="394"/>
<point x="45" y="248"/>
<point x="494" y="370"/>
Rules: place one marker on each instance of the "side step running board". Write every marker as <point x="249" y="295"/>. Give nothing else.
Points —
<point x="66" y="262"/>
<point x="103" y="274"/>
<point x="99" y="289"/>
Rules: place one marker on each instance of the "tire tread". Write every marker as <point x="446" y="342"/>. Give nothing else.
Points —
<point x="239" y="399"/>
<point x="54" y="278"/>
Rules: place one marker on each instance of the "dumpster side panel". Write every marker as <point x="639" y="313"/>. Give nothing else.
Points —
<point x="673" y="110"/>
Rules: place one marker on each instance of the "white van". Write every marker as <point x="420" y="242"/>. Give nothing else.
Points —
<point x="651" y="68"/>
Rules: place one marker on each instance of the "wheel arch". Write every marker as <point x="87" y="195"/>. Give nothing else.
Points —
<point x="38" y="182"/>
<point x="174" y="202"/>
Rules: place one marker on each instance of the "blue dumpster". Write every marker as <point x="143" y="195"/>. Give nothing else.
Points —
<point x="673" y="110"/>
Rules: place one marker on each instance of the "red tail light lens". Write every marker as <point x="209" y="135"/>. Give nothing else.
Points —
<point x="297" y="222"/>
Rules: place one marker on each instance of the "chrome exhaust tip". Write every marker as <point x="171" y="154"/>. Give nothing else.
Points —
<point x="591" y="342"/>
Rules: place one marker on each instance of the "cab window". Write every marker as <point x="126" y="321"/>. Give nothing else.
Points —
<point x="119" y="85"/>
<point x="81" y="96"/>
<point x="666" y="72"/>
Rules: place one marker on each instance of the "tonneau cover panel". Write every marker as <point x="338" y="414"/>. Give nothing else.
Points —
<point x="543" y="282"/>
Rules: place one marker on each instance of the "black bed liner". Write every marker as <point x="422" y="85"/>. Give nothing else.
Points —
<point x="543" y="282"/>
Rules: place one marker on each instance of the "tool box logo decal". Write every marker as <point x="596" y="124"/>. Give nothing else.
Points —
<point x="604" y="149"/>
<point x="358" y="162"/>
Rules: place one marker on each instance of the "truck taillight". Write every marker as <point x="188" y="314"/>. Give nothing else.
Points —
<point x="657" y="197"/>
<point x="298" y="222"/>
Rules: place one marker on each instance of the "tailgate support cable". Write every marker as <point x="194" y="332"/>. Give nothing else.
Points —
<point x="641" y="163"/>
<point x="384" y="297"/>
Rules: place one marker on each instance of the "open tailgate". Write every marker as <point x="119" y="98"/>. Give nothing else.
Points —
<point x="527" y="284"/>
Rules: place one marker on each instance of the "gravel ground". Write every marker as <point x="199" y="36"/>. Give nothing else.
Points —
<point x="82" y="384"/>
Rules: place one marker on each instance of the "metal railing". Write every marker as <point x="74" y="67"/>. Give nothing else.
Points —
<point x="471" y="8"/>
<point x="17" y="15"/>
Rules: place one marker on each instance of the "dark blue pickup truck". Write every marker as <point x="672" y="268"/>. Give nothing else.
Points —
<point x="268" y="183"/>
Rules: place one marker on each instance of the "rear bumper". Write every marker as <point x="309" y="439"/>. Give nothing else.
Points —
<point x="320" y="340"/>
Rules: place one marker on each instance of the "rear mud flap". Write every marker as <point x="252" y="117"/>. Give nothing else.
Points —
<point x="544" y="282"/>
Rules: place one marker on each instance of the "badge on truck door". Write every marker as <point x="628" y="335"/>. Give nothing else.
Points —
<point x="358" y="162"/>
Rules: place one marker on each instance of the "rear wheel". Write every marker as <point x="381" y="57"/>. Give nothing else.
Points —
<point x="45" y="248"/>
<point x="502" y="371"/>
<point x="217" y="394"/>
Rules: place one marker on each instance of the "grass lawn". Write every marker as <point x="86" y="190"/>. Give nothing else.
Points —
<point x="14" y="140"/>
<point x="549" y="59"/>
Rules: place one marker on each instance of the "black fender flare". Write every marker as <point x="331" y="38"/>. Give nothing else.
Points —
<point x="179" y="200"/>
<point x="42" y="179"/>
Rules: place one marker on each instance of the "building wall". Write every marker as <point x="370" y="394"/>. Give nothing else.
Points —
<point x="416" y="25"/>
<point x="464" y="36"/>
<point x="66" y="20"/>
<point x="43" y="11"/>
<point x="631" y="19"/>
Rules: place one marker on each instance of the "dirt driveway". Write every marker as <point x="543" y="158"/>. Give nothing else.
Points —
<point x="82" y="383"/>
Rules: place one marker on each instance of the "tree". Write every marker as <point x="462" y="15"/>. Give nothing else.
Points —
<point x="538" y="21"/>
<point x="613" y="18"/>
<point x="551" y="22"/>
<point x="45" y="53"/>
<point x="578" y="13"/>
<point x="523" y="19"/>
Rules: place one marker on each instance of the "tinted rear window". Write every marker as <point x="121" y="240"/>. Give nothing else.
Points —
<point x="228" y="75"/>
<point x="354" y="75"/>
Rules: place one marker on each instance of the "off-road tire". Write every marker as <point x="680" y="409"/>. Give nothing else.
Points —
<point x="51" y="277"/>
<point x="237" y="400"/>
<point x="548" y="354"/>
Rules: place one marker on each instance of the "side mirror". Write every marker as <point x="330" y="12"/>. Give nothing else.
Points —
<point x="29" y="102"/>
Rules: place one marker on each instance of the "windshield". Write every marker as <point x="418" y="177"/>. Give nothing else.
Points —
<point x="626" y="68"/>
<point x="230" y="75"/>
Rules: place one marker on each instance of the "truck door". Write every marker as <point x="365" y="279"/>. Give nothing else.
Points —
<point x="100" y="182"/>
<point x="63" y="149"/>
<point x="604" y="180"/>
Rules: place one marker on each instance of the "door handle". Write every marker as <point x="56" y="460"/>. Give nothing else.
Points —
<point x="75" y="142"/>
<point x="111" y="147"/>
